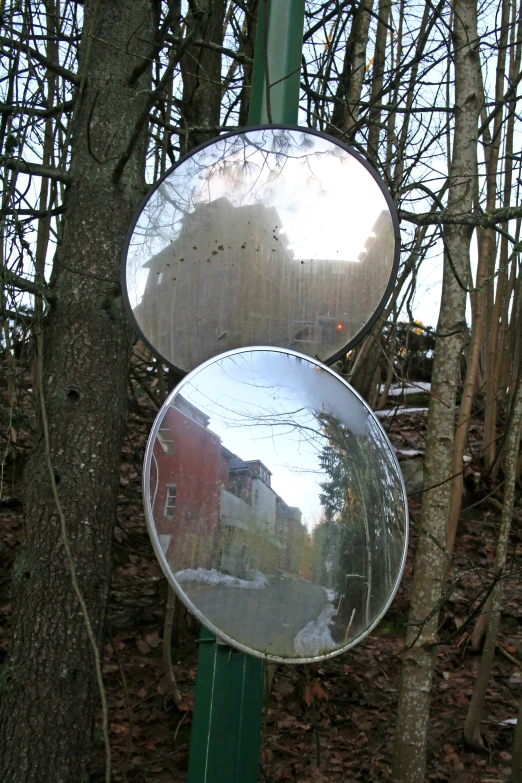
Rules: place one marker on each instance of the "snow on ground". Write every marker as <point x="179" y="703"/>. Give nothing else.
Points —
<point x="214" y="577"/>
<point x="419" y="453"/>
<point x="398" y="389"/>
<point x="315" y="638"/>
<point x="397" y="412"/>
<point x="409" y="452"/>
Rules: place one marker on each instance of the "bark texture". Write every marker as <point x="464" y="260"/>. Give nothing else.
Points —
<point x="201" y="71"/>
<point x="348" y="94"/>
<point x="421" y="641"/>
<point x="48" y="688"/>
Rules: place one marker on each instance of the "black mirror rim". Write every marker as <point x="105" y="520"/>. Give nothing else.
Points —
<point x="391" y="206"/>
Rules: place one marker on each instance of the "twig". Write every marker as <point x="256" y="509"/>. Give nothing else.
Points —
<point x="511" y="658"/>
<point x="286" y="750"/>
<point x="37" y="169"/>
<point x="180" y="724"/>
<point x="167" y="636"/>
<point x="349" y="625"/>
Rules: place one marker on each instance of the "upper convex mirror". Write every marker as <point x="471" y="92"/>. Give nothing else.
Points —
<point x="275" y="504"/>
<point x="274" y="236"/>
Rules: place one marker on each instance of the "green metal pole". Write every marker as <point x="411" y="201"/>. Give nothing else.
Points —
<point x="226" y="725"/>
<point x="277" y="62"/>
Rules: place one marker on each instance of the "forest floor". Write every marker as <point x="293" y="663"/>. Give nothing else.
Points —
<point x="333" y="723"/>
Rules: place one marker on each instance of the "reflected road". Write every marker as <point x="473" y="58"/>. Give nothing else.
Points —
<point x="266" y="619"/>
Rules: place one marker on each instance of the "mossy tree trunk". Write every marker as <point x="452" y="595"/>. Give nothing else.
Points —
<point x="48" y="687"/>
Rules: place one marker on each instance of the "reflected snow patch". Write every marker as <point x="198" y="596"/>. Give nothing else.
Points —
<point x="315" y="638"/>
<point x="214" y="577"/>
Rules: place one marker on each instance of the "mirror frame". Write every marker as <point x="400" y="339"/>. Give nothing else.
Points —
<point x="225" y="639"/>
<point x="241" y="131"/>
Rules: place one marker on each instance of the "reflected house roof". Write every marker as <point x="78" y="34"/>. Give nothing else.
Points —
<point x="229" y="278"/>
<point x="254" y="215"/>
<point x="216" y="493"/>
<point x="191" y="411"/>
<point x="254" y="467"/>
<point x="196" y="223"/>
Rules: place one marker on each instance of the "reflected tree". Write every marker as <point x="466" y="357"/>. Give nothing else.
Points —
<point x="362" y="525"/>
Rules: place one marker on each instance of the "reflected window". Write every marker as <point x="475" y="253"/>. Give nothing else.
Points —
<point x="289" y="531"/>
<point x="166" y="440"/>
<point x="170" y="502"/>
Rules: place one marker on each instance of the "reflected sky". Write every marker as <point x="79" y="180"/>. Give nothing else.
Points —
<point x="327" y="200"/>
<point x="308" y="186"/>
<point x="260" y="417"/>
<point x="277" y="504"/>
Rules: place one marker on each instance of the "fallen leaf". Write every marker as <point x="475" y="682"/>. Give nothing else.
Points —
<point x="319" y="691"/>
<point x="153" y="639"/>
<point x="142" y="646"/>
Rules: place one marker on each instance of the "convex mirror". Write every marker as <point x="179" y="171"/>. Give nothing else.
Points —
<point x="276" y="505"/>
<point x="274" y="236"/>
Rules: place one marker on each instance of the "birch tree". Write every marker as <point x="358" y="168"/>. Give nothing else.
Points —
<point x="421" y="639"/>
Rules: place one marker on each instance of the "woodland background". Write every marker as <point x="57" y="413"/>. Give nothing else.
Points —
<point x="98" y="99"/>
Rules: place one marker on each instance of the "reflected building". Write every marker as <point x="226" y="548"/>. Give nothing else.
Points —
<point x="231" y="279"/>
<point x="213" y="509"/>
<point x="186" y="474"/>
<point x="251" y="567"/>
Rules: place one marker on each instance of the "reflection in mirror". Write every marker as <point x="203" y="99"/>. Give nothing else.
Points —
<point x="276" y="504"/>
<point x="270" y="237"/>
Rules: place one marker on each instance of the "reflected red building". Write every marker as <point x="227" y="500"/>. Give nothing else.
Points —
<point x="213" y="509"/>
<point x="185" y="479"/>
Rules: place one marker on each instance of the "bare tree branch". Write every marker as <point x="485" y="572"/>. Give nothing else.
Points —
<point x="65" y="73"/>
<point x="36" y="169"/>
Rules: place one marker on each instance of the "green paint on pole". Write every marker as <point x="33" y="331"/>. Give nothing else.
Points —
<point x="226" y="725"/>
<point x="279" y="45"/>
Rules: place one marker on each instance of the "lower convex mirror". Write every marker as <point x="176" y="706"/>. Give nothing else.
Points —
<point x="276" y="505"/>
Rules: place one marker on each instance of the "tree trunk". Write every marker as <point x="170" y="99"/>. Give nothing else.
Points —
<point x="421" y="640"/>
<point x="374" y="129"/>
<point x="348" y="94"/>
<point x="48" y="686"/>
<point x="495" y="298"/>
<point x="201" y="71"/>
<point x="472" y="733"/>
